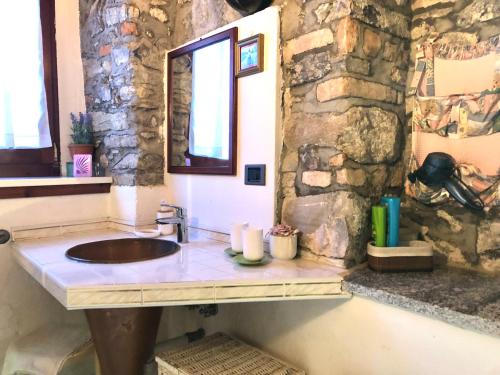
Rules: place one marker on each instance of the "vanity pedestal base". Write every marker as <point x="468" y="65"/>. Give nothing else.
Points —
<point x="124" y="338"/>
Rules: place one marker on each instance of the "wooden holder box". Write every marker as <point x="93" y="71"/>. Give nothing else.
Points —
<point x="409" y="256"/>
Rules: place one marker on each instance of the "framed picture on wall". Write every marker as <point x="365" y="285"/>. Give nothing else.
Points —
<point x="250" y="56"/>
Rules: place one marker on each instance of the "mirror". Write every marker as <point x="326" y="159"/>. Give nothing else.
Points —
<point x="202" y="106"/>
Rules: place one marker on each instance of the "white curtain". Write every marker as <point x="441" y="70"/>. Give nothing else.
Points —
<point x="23" y="105"/>
<point x="209" y="121"/>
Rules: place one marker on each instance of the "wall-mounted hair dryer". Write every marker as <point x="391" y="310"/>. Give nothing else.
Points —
<point x="439" y="170"/>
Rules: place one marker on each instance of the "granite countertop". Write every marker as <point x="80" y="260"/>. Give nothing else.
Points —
<point x="199" y="273"/>
<point x="464" y="298"/>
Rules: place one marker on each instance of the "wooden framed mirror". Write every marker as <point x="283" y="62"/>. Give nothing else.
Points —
<point x="202" y="101"/>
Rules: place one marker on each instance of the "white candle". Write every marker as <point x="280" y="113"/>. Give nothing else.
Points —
<point x="253" y="243"/>
<point x="236" y="236"/>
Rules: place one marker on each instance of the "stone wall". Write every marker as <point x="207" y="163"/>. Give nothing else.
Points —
<point x="459" y="236"/>
<point x="345" y="67"/>
<point x="182" y="94"/>
<point x="123" y="44"/>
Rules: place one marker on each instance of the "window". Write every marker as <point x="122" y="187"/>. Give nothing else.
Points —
<point x="29" y="121"/>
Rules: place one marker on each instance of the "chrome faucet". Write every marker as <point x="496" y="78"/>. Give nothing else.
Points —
<point x="180" y="219"/>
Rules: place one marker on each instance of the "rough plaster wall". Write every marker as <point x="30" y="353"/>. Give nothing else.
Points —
<point x="459" y="236"/>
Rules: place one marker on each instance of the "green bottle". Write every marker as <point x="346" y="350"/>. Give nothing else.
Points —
<point x="379" y="225"/>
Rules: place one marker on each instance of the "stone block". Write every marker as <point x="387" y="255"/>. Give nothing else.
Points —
<point x="370" y="135"/>
<point x="478" y="11"/>
<point x="120" y="141"/>
<point x="421" y="30"/>
<point x="120" y="55"/>
<point x="488" y="236"/>
<point x="347" y="35"/>
<point x="309" y="157"/>
<point x="398" y="76"/>
<point x="103" y="122"/>
<point x="353" y="177"/>
<point x="310" y="68"/>
<point x="357" y="65"/>
<point x="159" y="14"/>
<point x="316" y="39"/>
<point x="374" y="13"/>
<point x="419" y="4"/>
<point x="371" y="43"/>
<point x="317" y="178"/>
<point x="340" y="9"/>
<point x="128" y="28"/>
<point x="433" y="13"/>
<point x="104" y="50"/>
<point x="390" y="51"/>
<point x="332" y="224"/>
<point x="322" y="12"/>
<point x="114" y="15"/>
<point x="290" y="161"/>
<point x="127" y="162"/>
<point x="342" y="87"/>
<point x="312" y="128"/>
<point x="337" y="160"/>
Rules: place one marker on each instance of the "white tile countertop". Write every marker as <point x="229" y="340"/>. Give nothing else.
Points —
<point x="197" y="274"/>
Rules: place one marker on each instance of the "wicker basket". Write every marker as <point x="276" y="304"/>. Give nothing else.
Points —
<point x="220" y="354"/>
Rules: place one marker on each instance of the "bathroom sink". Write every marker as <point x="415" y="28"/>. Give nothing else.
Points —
<point x="124" y="250"/>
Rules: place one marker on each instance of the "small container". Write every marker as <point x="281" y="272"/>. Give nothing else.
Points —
<point x="69" y="169"/>
<point x="283" y="247"/>
<point x="165" y="212"/>
<point x="393" y="206"/>
<point x="379" y="225"/>
<point x="409" y="256"/>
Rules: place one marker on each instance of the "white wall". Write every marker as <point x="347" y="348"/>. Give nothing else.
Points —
<point x="24" y="305"/>
<point x="214" y="202"/>
<point x="359" y="336"/>
<point x="69" y="70"/>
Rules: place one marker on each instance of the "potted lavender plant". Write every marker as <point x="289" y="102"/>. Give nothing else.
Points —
<point x="82" y="137"/>
<point x="283" y="241"/>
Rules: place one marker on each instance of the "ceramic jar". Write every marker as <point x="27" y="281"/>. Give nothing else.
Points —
<point x="283" y="247"/>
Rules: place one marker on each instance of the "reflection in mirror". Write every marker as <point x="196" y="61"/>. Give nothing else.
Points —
<point x="201" y="106"/>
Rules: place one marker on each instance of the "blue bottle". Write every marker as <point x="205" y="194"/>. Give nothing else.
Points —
<point x="393" y="204"/>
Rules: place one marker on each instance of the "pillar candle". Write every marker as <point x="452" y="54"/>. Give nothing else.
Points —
<point x="236" y="236"/>
<point x="253" y="243"/>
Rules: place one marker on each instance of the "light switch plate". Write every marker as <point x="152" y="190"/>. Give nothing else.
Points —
<point x="255" y="174"/>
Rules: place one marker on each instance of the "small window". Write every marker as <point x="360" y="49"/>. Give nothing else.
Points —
<point x="29" y="122"/>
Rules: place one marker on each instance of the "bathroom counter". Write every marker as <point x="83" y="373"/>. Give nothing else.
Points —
<point x="199" y="273"/>
<point x="464" y="298"/>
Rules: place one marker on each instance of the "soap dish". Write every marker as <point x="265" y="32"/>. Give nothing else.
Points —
<point x="240" y="259"/>
<point x="409" y="256"/>
<point x="229" y="251"/>
<point x="147" y="233"/>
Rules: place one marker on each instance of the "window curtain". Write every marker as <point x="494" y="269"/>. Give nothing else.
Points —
<point x="209" y="120"/>
<point x="24" y="119"/>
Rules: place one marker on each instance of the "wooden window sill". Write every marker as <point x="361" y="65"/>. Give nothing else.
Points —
<point x="52" y="186"/>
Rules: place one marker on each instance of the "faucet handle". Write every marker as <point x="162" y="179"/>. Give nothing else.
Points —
<point x="179" y="211"/>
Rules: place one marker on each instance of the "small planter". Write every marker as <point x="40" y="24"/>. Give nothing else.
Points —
<point x="85" y="149"/>
<point x="283" y="247"/>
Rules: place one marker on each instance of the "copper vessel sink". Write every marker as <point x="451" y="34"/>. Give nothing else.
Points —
<point x="124" y="250"/>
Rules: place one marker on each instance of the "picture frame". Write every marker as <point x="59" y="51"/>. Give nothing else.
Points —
<point x="250" y="56"/>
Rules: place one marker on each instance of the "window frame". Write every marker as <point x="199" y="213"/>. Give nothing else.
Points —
<point x="45" y="161"/>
